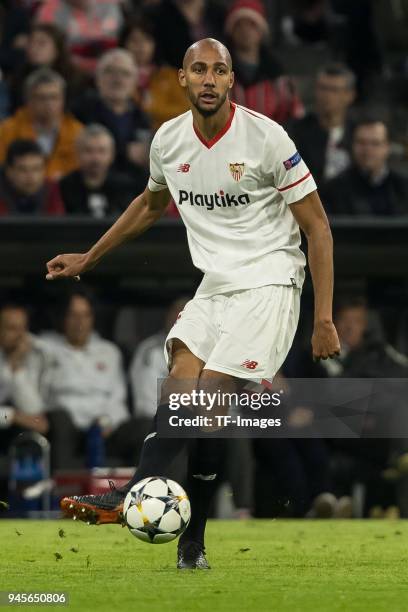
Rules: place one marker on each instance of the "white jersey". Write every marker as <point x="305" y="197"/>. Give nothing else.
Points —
<point x="232" y="193"/>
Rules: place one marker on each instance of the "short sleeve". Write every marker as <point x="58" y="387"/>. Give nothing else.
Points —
<point x="292" y="178"/>
<point x="157" y="182"/>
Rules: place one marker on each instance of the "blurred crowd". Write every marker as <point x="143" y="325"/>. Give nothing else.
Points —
<point x="84" y="85"/>
<point x="62" y="382"/>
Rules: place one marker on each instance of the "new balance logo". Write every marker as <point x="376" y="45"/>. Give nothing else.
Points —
<point x="183" y="168"/>
<point x="251" y="365"/>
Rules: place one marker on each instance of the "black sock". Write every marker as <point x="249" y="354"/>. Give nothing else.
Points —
<point x="204" y="464"/>
<point x="158" y="454"/>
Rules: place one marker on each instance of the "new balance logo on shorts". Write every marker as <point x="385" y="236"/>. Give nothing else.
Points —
<point x="221" y="199"/>
<point x="251" y="365"/>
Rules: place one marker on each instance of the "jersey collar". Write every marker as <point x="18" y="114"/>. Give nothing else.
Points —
<point x="220" y="134"/>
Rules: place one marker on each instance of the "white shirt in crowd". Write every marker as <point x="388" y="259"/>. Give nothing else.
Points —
<point x="337" y="158"/>
<point x="232" y="193"/>
<point x="146" y="371"/>
<point x="23" y="389"/>
<point x="88" y="383"/>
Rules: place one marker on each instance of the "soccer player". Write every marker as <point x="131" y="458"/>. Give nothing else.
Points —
<point x="242" y="191"/>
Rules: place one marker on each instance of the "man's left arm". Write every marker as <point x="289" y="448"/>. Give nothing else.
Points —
<point x="312" y="219"/>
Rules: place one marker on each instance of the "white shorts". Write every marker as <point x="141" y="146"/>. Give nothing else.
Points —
<point x="246" y="333"/>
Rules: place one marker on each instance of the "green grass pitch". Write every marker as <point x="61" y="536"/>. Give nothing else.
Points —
<point x="295" y="566"/>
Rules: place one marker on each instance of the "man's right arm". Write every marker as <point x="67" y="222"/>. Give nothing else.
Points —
<point x="141" y="214"/>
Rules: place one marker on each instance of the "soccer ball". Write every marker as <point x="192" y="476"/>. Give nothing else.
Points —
<point x="156" y="510"/>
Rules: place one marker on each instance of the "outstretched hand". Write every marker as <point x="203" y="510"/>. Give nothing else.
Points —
<point x="66" y="266"/>
<point x="325" y="341"/>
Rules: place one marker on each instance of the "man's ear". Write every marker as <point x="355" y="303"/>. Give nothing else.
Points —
<point x="232" y="79"/>
<point x="182" y="77"/>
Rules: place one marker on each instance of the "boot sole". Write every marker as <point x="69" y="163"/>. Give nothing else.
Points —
<point x="92" y="515"/>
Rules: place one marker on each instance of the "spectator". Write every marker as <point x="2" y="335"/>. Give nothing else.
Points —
<point x="87" y="385"/>
<point x="92" y="27"/>
<point x="46" y="47"/>
<point x="114" y="107"/>
<point x="368" y="186"/>
<point x="323" y="137"/>
<point x="43" y="119"/>
<point x="94" y="189"/>
<point x="365" y="353"/>
<point x="23" y="365"/>
<point x="179" y="23"/>
<point x="158" y="87"/>
<point x="259" y="80"/>
<point x="24" y="189"/>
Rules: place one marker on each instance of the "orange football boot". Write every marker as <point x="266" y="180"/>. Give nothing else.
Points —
<point x="95" y="509"/>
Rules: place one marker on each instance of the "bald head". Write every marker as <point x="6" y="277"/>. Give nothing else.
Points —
<point x="207" y="76"/>
<point x="201" y="46"/>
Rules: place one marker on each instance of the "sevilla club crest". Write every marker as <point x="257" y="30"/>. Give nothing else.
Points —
<point x="237" y="171"/>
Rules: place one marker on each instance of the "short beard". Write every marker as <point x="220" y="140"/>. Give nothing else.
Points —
<point x="208" y="113"/>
